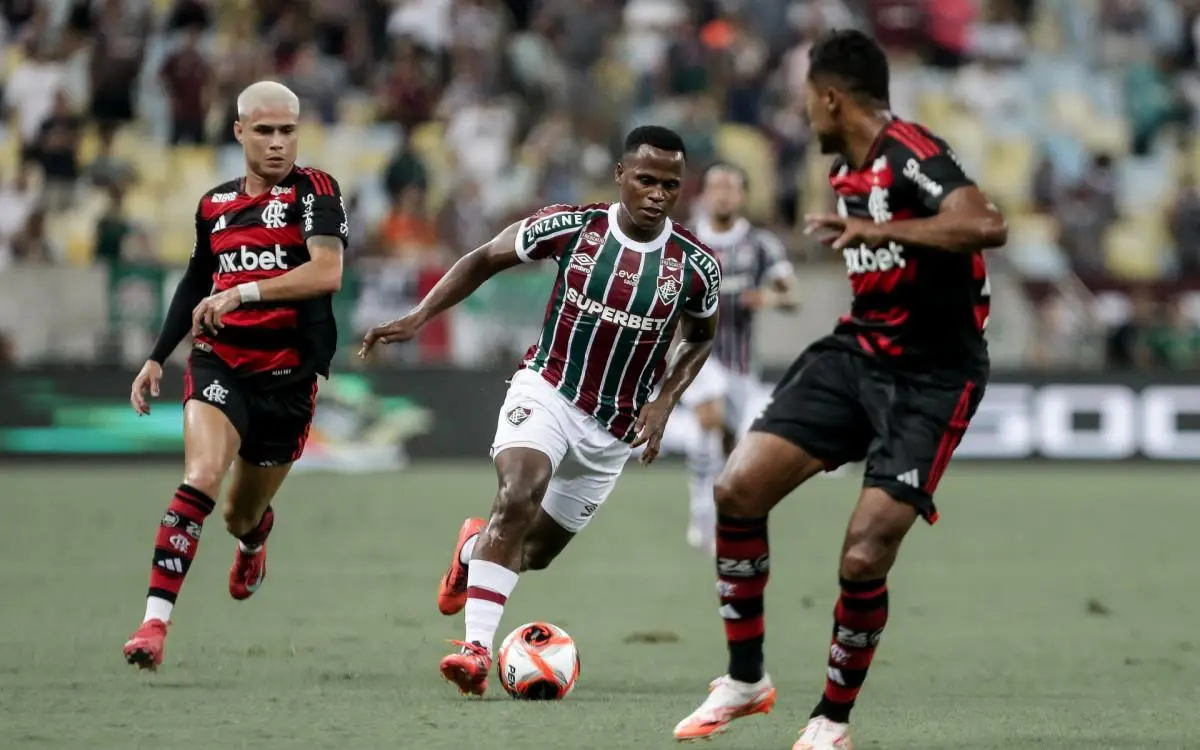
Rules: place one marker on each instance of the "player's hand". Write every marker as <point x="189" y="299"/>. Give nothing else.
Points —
<point x="400" y="329"/>
<point x="147" y="380"/>
<point x="841" y="232"/>
<point x="650" y="425"/>
<point x="207" y="317"/>
<point x="753" y="299"/>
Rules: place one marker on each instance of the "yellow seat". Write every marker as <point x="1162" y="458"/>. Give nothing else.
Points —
<point x="1133" y="249"/>
<point x="746" y="147"/>
<point x="175" y="243"/>
<point x="1006" y="173"/>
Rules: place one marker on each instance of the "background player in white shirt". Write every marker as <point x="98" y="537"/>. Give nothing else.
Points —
<point x="726" y="394"/>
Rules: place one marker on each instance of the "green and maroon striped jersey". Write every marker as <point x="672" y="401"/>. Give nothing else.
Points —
<point x="614" y="308"/>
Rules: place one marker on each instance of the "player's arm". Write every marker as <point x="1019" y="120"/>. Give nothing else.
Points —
<point x="521" y="242"/>
<point x="963" y="220"/>
<point x="195" y="285"/>
<point x="778" y="289"/>
<point x="471" y="272"/>
<point x="695" y="342"/>
<point x="326" y="230"/>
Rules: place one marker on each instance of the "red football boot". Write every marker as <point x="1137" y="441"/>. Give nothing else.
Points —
<point x="145" y="647"/>
<point x="248" y="571"/>
<point x="469" y="668"/>
<point x="452" y="593"/>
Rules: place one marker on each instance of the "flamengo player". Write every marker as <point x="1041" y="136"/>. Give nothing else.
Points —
<point x="627" y="278"/>
<point x="756" y="275"/>
<point x="895" y="384"/>
<point x="257" y="298"/>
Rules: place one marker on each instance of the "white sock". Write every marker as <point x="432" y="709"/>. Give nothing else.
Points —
<point x="248" y="549"/>
<point x="488" y="588"/>
<point x="704" y="460"/>
<point x="468" y="548"/>
<point x="158" y="609"/>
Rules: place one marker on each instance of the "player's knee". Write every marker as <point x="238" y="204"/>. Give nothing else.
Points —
<point x="536" y="556"/>
<point x="516" y="506"/>
<point x="734" y="498"/>
<point x="866" y="558"/>
<point x="205" y="477"/>
<point x="711" y="415"/>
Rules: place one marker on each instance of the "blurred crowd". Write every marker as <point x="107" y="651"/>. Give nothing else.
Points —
<point x="445" y="119"/>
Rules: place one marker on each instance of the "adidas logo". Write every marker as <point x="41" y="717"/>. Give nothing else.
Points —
<point x="727" y="612"/>
<point x="911" y="477"/>
<point x="173" y="564"/>
<point x="219" y="225"/>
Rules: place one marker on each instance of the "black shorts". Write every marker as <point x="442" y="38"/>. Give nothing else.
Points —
<point x="842" y="407"/>
<point x="273" y="423"/>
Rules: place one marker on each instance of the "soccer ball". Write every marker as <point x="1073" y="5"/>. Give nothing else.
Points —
<point x="538" y="662"/>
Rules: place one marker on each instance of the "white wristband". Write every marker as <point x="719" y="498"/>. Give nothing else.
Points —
<point x="249" y="292"/>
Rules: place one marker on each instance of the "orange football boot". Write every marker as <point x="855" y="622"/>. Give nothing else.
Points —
<point x="468" y="669"/>
<point x="452" y="593"/>
<point x="145" y="647"/>
<point x="248" y="572"/>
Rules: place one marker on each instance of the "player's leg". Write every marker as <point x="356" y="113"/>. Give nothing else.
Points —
<point x="581" y="485"/>
<point x="279" y="423"/>
<point x="705" y="458"/>
<point x="531" y="440"/>
<point x="918" y="427"/>
<point x="211" y="439"/>
<point x="705" y="399"/>
<point x="812" y="422"/>
<point x="250" y="518"/>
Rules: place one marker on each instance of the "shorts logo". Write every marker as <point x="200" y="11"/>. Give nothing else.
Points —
<point x="668" y="289"/>
<point x="588" y="510"/>
<point x="215" y="393"/>
<point x="517" y="415"/>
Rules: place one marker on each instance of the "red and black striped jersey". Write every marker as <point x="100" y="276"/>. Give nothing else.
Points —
<point x="915" y="306"/>
<point x="242" y="238"/>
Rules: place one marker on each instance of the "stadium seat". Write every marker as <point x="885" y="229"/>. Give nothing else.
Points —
<point x="1134" y="249"/>
<point x="1007" y="171"/>
<point x="746" y="147"/>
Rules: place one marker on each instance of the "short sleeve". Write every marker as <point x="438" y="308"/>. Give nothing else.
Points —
<point x="705" y="289"/>
<point x="547" y="233"/>
<point x="322" y="210"/>
<point x="773" y="260"/>
<point x="935" y="177"/>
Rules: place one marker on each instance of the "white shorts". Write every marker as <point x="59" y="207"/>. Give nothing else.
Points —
<point x="744" y="395"/>
<point x="586" y="459"/>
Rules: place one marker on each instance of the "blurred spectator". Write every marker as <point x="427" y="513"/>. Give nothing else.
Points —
<point x="118" y="51"/>
<point x="1183" y="219"/>
<point x="318" y="82"/>
<point x="189" y="81"/>
<point x="18" y="199"/>
<point x="407" y="233"/>
<point x="407" y="94"/>
<point x="1174" y="342"/>
<point x="1083" y="218"/>
<point x="1152" y="101"/>
<point x="241" y="62"/>
<point x="29" y="94"/>
<point x="463" y="224"/>
<point x="58" y="154"/>
<point x="898" y="24"/>
<point x="1128" y="342"/>
<point x="949" y="25"/>
<point x="117" y="237"/>
<point x="31" y="246"/>
<point x="108" y="169"/>
<point x="405" y="169"/>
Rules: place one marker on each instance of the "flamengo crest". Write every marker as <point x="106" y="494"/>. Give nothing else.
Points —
<point x="517" y="415"/>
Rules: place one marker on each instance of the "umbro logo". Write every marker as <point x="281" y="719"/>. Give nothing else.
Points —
<point x="911" y="477"/>
<point x="583" y="262"/>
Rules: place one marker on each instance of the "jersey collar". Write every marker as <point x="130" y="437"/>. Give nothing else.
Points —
<point x="614" y="210"/>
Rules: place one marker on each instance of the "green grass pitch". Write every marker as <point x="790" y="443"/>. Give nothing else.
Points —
<point x="1052" y="607"/>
